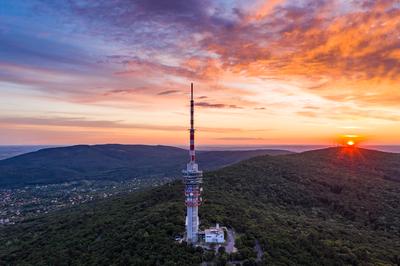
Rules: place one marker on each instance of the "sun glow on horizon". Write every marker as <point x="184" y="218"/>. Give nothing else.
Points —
<point x="350" y="140"/>
<point x="350" y="143"/>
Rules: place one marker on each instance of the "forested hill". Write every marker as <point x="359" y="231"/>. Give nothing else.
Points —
<point x="110" y="162"/>
<point x="315" y="208"/>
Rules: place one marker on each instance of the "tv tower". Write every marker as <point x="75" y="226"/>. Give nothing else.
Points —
<point x="193" y="180"/>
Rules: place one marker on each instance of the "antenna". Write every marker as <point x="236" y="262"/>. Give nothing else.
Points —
<point x="191" y="91"/>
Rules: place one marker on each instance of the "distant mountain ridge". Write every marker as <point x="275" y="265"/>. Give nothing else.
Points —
<point x="8" y="151"/>
<point x="110" y="162"/>
<point x="334" y="206"/>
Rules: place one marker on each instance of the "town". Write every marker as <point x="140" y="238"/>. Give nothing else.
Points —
<point x="30" y="201"/>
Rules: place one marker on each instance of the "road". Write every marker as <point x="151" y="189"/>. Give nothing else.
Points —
<point x="230" y="241"/>
<point x="259" y="251"/>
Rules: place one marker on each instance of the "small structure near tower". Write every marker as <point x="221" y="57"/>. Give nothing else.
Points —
<point x="214" y="235"/>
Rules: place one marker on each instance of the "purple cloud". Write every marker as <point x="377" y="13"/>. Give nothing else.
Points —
<point x="167" y="92"/>
<point x="217" y="105"/>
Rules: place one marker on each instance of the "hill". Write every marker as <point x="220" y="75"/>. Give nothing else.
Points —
<point x="325" y="207"/>
<point x="110" y="162"/>
<point x="14" y="150"/>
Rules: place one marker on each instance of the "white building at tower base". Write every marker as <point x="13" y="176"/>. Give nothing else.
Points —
<point x="214" y="235"/>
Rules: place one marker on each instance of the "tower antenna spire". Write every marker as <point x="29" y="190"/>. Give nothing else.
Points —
<point x="192" y="149"/>
<point x="191" y="91"/>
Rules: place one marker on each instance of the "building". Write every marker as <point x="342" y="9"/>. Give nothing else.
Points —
<point x="193" y="179"/>
<point x="214" y="235"/>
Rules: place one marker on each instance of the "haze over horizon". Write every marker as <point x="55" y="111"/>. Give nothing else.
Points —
<point x="266" y="73"/>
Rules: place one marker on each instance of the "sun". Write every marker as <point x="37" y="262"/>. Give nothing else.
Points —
<point x="350" y="143"/>
<point x="350" y="140"/>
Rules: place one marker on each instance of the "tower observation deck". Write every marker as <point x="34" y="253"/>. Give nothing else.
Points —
<point x="193" y="179"/>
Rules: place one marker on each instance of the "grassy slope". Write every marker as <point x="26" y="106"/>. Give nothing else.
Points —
<point x="315" y="208"/>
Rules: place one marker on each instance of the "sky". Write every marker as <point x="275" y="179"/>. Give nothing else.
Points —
<point x="264" y="72"/>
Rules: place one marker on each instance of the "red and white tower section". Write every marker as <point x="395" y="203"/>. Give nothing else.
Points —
<point x="193" y="178"/>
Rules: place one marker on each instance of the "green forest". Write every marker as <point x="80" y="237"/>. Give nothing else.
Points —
<point x="325" y="207"/>
<point x="110" y="162"/>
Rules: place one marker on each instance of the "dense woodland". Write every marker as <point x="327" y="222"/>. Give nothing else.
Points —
<point x="326" y="207"/>
<point x="112" y="162"/>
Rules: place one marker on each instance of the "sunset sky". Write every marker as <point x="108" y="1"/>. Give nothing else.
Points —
<point x="265" y="72"/>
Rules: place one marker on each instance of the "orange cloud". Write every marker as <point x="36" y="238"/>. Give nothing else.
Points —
<point x="266" y="8"/>
<point x="348" y="52"/>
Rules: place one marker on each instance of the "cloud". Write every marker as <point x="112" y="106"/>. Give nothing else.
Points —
<point x="350" y="113"/>
<point x="308" y="113"/>
<point x="168" y="92"/>
<point x="84" y="123"/>
<point x="333" y="59"/>
<point x="81" y="122"/>
<point x="267" y="8"/>
<point x="217" y="105"/>
<point x="311" y="107"/>
<point x="319" y="40"/>
<point x="241" y="139"/>
<point x="136" y="67"/>
<point x="151" y="24"/>
<point x="43" y="52"/>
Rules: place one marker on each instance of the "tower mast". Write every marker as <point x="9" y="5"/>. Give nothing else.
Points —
<point x="193" y="180"/>
<point x="192" y="152"/>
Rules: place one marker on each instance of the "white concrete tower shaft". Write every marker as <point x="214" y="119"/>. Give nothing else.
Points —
<point x="193" y="179"/>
